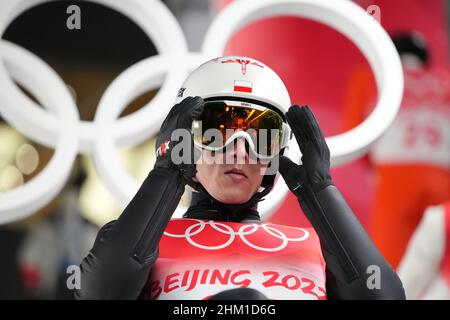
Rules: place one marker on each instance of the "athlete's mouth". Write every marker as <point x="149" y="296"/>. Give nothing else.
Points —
<point x="236" y="174"/>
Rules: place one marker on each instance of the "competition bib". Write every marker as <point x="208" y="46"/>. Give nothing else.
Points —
<point x="199" y="258"/>
<point x="421" y="131"/>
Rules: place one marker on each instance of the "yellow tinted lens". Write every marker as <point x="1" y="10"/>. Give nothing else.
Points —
<point x="220" y="120"/>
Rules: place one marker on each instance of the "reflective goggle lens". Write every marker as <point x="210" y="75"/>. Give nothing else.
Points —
<point x="221" y="120"/>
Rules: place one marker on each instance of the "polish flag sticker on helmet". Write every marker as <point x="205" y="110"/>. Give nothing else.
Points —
<point x="243" y="86"/>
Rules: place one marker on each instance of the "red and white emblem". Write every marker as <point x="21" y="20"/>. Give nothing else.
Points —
<point x="243" y="63"/>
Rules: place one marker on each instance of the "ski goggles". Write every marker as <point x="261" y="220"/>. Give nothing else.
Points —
<point x="224" y="121"/>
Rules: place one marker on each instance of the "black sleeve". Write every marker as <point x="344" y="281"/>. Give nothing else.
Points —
<point x="353" y="262"/>
<point x="118" y="265"/>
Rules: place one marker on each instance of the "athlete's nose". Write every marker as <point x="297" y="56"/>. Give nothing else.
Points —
<point x="240" y="151"/>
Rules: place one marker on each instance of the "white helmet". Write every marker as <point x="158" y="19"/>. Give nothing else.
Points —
<point x="243" y="79"/>
<point x="238" y="77"/>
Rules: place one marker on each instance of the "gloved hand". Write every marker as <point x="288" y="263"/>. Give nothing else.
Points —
<point x="314" y="173"/>
<point x="180" y="117"/>
<point x="118" y="265"/>
<point x="346" y="247"/>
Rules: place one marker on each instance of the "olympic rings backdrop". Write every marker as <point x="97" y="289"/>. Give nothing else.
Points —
<point x="59" y="126"/>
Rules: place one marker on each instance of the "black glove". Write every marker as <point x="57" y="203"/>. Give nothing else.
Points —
<point x="125" y="250"/>
<point x="346" y="247"/>
<point x="180" y="117"/>
<point x="314" y="172"/>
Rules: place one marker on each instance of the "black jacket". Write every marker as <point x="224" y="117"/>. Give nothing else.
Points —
<point x="119" y="263"/>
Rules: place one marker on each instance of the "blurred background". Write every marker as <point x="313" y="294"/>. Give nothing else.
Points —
<point x="391" y="189"/>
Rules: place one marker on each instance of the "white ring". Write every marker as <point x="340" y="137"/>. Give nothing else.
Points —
<point x="267" y="228"/>
<point x="200" y="223"/>
<point x="254" y="246"/>
<point x="155" y="20"/>
<point x="353" y="22"/>
<point x="221" y="246"/>
<point x="112" y="172"/>
<point x="32" y="73"/>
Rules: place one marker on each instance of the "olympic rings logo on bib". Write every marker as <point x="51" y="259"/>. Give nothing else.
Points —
<point x="58" y="124"/>
<point x="242" y="233"/>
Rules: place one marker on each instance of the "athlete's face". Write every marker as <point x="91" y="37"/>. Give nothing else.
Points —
<point x="230" y="183"/>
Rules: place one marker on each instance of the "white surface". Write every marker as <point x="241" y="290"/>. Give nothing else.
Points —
<point x="419" y="268"/>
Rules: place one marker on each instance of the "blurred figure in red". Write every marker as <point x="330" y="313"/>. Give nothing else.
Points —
<point x="412" y="159"/>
